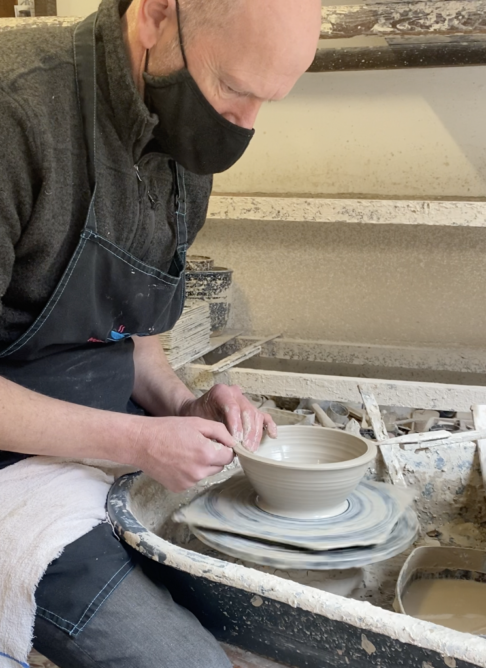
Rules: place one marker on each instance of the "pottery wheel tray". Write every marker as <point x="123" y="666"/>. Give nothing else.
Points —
<point x="378" y="524"/>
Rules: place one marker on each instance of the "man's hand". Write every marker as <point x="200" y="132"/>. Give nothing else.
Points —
<point x="179" y="452"/>
<point x="162" y="394"/>
<point x="228" y="405"/>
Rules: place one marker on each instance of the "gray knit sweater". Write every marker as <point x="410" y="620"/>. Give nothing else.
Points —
<point x="44" y="189"/>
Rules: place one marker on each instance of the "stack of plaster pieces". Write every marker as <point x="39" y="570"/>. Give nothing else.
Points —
<point x="189" y="339"/>
<point x="378" y="524"/>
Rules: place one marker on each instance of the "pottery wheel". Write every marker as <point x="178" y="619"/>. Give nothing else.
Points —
<point x="279" y="556"/>
<point x="370" y="519"/>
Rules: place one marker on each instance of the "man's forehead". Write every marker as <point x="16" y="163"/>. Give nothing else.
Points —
<point x="263" y="52"/>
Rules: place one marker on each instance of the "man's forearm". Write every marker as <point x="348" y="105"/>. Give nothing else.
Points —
<point x="157" y="388"/>
<point x="33" y="424"/>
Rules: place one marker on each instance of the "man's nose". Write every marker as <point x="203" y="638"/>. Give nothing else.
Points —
<point x="244" y="112"/>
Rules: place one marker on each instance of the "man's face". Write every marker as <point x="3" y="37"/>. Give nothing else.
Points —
<point x="257" y="57"/>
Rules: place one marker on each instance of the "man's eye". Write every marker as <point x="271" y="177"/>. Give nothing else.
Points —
<point x="230" y="90"/>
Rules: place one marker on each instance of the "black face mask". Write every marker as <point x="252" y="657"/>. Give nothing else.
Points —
<point x="190" y="129"/>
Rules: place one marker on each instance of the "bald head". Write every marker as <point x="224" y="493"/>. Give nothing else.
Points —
<point x="240" y="52"/>
<point x="208" y="14"/>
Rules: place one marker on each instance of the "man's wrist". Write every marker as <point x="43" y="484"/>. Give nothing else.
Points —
<point x="184" y="408"/>
<point x="176" y="405"/>
<point x="123" y="438"/>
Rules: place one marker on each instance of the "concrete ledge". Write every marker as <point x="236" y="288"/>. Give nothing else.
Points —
<point x="442" y="212"/>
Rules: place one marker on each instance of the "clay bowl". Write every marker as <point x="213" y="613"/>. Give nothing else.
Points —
<point x="307" y="472"/>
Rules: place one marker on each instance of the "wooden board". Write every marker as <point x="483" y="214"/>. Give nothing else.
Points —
<point x="479" y="415"/>
<point x="456" y="359"/>
<point x="389" y="452"/>
<point x="434" y="396"/>
<point x="374" y="211"/>
<point x="45" y="8"/>
<point x="447" y="17"/>
<point x="7" y="8"/>
<point x="37" y="22"/>
<point x="403" y="56"/>
<point x="241" y="355"/>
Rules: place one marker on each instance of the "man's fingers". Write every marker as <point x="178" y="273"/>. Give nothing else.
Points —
<point x="213" y="470"/>
<point x="219" y="455"/>
<point x="270" y="425"/>
<point x="232" y="418"/>
<point x="242" y="422"/>
<point x="255" y="433"/>
<point x="248" y="422"/>
<point x="216" y="431"/>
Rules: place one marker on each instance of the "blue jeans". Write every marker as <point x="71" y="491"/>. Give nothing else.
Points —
<point x="138" y="626"/>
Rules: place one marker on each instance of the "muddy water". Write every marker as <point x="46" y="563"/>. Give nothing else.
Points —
<point x="457" y="604"/>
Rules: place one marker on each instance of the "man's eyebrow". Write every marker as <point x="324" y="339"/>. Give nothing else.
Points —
<point x="233" y="83"/>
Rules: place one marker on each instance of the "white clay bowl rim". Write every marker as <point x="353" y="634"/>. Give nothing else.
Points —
<point x="365" y="458"/>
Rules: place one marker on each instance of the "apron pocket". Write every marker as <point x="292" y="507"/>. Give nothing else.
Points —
<point x="76" y="585"/>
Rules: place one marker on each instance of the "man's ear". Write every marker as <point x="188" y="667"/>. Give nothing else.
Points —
<point x="153" y="18"/>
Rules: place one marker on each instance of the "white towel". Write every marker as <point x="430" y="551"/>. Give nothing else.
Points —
<point x="45" y="504"/>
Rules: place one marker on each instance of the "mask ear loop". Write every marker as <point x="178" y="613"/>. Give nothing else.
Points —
<point x="179" y="27"/>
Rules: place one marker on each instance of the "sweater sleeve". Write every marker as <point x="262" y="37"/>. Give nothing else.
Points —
<point x="19" y="180"/>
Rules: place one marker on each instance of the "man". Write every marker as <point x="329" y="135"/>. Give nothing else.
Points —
<point x="106" y="170"/>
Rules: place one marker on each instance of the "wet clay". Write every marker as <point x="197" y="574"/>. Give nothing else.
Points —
<point x="307" y="473"/>
<point x="457" y="604"/>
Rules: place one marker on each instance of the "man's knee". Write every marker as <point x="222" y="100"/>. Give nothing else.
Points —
<point x="138" y="626"/>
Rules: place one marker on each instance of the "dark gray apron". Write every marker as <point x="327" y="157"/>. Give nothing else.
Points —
<point x="80" y="350"/>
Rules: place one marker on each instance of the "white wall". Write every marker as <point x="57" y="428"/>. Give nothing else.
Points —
<point x="406" y="132"/>
<point x="355" y="283"/>
<point x="76" y="7"/>
<point x="415" y="133"/>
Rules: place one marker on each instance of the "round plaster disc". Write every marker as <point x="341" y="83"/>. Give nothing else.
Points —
<point x="372" y="512"/>
<point x="278" y="556"/>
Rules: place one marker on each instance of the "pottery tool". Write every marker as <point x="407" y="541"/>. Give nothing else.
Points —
<point x="338" y="413"/>
<point x="353" y="427"/>
<point x="323" y="417"/>
<point x="424" y="419"/>
<point x="282" y="417"/>
<point x="241" y="355"/>
<point x="356" y="413"/>
<point x="479" y="416"/>
<point x="388" y="451"/>
<point x="308" y="415"/>
<point x="416" y="438"/>
<point x="446" y="438"/>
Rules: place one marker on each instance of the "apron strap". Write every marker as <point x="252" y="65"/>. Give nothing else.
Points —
<point x="85" y="69"/>
<point x="181" y="208"/>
